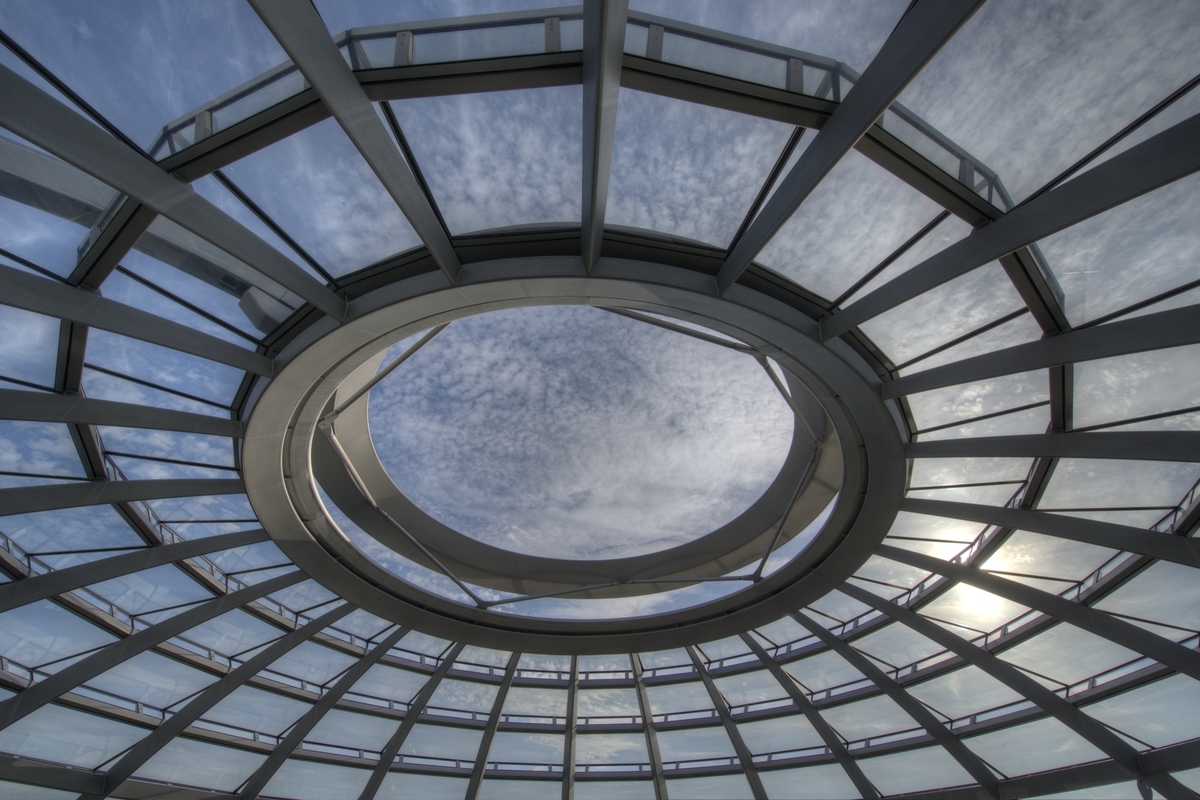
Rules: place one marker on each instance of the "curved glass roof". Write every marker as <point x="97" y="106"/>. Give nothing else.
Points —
<point x="959" y="237"/>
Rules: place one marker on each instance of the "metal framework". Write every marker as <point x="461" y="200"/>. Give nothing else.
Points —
<point x="315" y="348"/>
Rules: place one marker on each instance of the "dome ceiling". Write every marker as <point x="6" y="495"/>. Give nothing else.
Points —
<point x="650" y="400"/>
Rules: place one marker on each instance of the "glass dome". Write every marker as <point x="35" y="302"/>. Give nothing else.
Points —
<point x="929" y="270"/>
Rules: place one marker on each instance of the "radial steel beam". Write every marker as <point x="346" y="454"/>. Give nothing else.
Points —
<point x="39" y="587"/>
<point x="303" y="726"/>
<point x="198" y="706"/>
<point x="1117" y="630"/>
<point x="823" y="728"/>
<point x="489" y="731"/>
<point x="927" y="26"/>
<point x="1128" y="445"/>
<point x="44" y="296"/>
<point x="75" y="408"/>
<point x="656" y="766"/>
<point x="27" y="499"/>
<point x="571" y="733"/>
<point x="388" y="755"/>
<point x="1065" y="712"/>
<point x="1173" y="328"/>
<point x="39" y="694"/>
<point x="731" y="729"/>
<point x="1177" y="549"/>
<point x="303" y="35"/>
<point x="913" y="707"/>
<point x="603" y="49"/>
<point x="1161" y="159"/>
<point x="39" y="118"/>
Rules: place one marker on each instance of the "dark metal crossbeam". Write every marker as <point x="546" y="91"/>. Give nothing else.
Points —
<point x="603" y="48"/>
<point x="27" y="499"/>
<point x="75" y="408"/>
<point x="1130" y="445"/>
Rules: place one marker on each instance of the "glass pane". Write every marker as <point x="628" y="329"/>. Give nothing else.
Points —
<point x="162" y="366"/>
<point x="43" y="633"/>
<point x="317" y="187"/>
<point x="1033" y="747"/>
<point x="28" y="347"/>
<point x="1165" y="593"/>
<point x="121" y="62"/>
<point x="618" y="705"/>
<point x="875" y="716"/>
<point x="519" y="790"/>
<point x="714" y="787"/>
<point x="341" y="730"/>
<point x="822" y="671"/>
<point x="686" y="169"/>
<point x="389" y="683"/>
<point x="678" y="699"/>
<point x="1158" y="714"/>
<point x="1080" y="484"/>
<point x="464" y="696"/>
<point x="1066" y="654"/>
<point x="1067" y="78"/>
<point x="968" y="611"/>
<point x="310" y="780"/>
<point x="36" y="451"/>
<point x="611" y="748"/>
<point x="499" y="159"/>
<point x="725" y="60"/>
<point x="1127" y="387"/>
<point x="749" y="688"/>
<point x="854" y="219"/>
<point x="914" y="771"/>
<point x="851" y="32"/>
<point x="779" y="735"/>
<point x="614" y="790"/>
<point x="1130" y="253"/>
<point x="694" y="744"/>
<point x="191" y="763"/>
<point x="1035" y="554"/>
<point x="401" y="786"/>
<point x="967" y="690"/>
<point x="248" y="709"/>
<point x="510" y="747"/>
<point x="825" y="782"/>
<point x="960" y="403"/>
<point x="443" y="742"/>
<point x="66" y="736"/>
<point x="70" y="529"/>
<point x="339" y="15"/>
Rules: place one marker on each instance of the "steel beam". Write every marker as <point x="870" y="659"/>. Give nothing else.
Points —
<point x="656" y="767"/>
<point x="1161" y="159"/>
<point x="1177" y="549"/>
<point x="199" y="705"/>
<point x="44" y="296"/>
<point x="388" y="755"/>
<point x="1128" y="445"/>
<point x="603" y="50"/>
<point x="489" y="731"/>
<point x="28" y="499"/>
<point x="823" y="728"/>
<point x="739" y="745"/>
<point x="927" y="26"/>
<point x="303" y="35"/>
<point x="303" y="726"/>
<point x="39" y="694"/>
<point x="39" y="118"/>
<point x="1117" y="630"/>
<point x="913" y="707"/>
<point x="1173" y="328"/>
<point x="572" y="731"/>
<point x="75" y="408"/>
<point x="39" y="587"/>
<point x="1065" y="712"/>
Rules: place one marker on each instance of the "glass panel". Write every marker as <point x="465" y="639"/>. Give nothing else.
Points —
<point x="914" y="771"/>
<point x="947" y="232"/>
<point x="508" y="40"/>
<point x="344" y="729"/>
<point x="677" y="699"/>
<point x="401" y="786"/>
<point x="54" y="733"/>
<point x="854" y="219"/>
<point x="309" y="780"/>
<point x="526" y="748"/>
<point x="37" y="236"/>
<point x="37" y="450"/>
<point x="686" y="169"/>
<point x="529" y="704"/>
<point x="1034" y="554"/>
<point x="121" y="63"/>
<point x="1015" y="423"/>
<point x="713" y="787"/>
<point x="822" y="671"/>
<point x="619" y="704"/>
<point x="499" y="159"/>
<point x="825" y="782"/>
<point x="750" y="688"/>
<point x="1033" y="747"/>
<point x="862" y="719"/>
<point x="1126" y="387"/>
<point x="943" y="314"/>
<point x="42" y="633"/>
<point x="1066" y="97"/>
<point x="837" y="606"/>
<point x="1131" y="253"/>
<point x="968" y="611"/>
<point x="250" y="709"/>
<point x="1165" y="593"/>
<point x="967" y="690"/>
<point x="390" y="683"/>
<point x="611" y="748"/>
<point x="897" y="576"/>
<point x="340" y="15"/>
<point x="1066" y="654"/>
<point x="694" y="744"/>
<point x="779" y="735"/>
<point x="464" y="696"/>
<point x="191" y="763"/>
<point x="163" y="366"/>
<point x="21" y="791"/>
<point x="849" y="32"/>
<point x="153" y="680"/>
<point x="231" y="633"/>
<point x="1158" y="714"/>
<point x="725" y="60"/>
<point x="1017" y="331"/>
<point x="1153" y="486"/>
<point x="444" y="742"/>
<point x="614" y="790"/>
<point x="317" y="187"/>
<point x="963" y="402"/>
<point x="312" y="663"/>
<point x="70" y="529"/>
<point x="28" y="347"/>
<point x="896" y="645"/>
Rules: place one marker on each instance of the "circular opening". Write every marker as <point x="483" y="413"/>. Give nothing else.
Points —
<point x="578" y="433"/>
